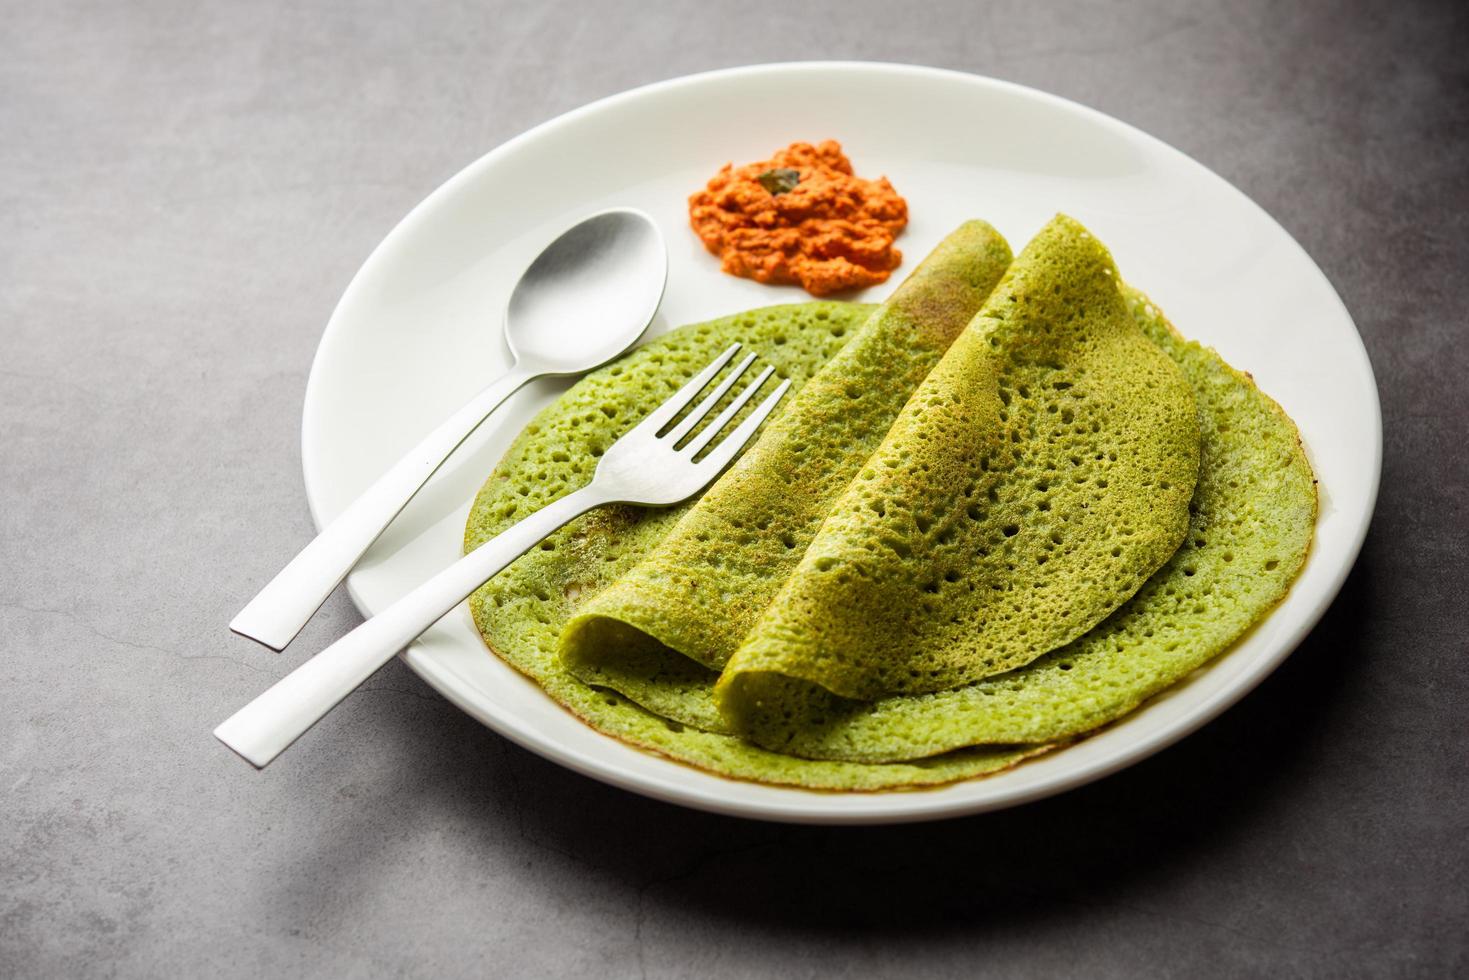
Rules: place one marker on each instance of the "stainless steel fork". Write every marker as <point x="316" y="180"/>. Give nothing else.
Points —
<point x="646" y="466"/>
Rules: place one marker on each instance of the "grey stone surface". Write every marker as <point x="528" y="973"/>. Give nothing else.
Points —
<point x="186" y="188"/>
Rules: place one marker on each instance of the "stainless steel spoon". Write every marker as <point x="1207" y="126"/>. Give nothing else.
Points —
<point x="584" y="300"/>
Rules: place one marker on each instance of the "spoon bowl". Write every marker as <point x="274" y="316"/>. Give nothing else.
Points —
<point x="589" y="295"/>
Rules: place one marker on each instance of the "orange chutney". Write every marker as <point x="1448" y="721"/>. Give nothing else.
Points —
<point x="801" y="217"/>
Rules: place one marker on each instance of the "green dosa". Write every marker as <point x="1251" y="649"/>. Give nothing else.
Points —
<point x="660" y="634"/>
<point x="1252" y="515"/>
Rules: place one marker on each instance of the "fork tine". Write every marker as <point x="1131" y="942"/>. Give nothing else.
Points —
<point x="707" y="405"/>
<point x="665" y="413"/>
<point x="729" y="448"/>
<point x="713" y="428"/>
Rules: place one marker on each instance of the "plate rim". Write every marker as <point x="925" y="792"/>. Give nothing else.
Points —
<point x="906" y="805"/>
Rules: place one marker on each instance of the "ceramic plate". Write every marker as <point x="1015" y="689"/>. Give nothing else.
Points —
<point x="418" y="332"/>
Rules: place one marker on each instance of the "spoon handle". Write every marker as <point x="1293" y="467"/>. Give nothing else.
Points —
<point x="278" y="612"/>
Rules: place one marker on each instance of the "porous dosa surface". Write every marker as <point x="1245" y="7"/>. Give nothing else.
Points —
<point x="695" y="595"/>
<point x="1250" y="525"/>
<point x="1040" y="474"/>
<point x="1251" y="522"/>
<point x="522" y="611"/>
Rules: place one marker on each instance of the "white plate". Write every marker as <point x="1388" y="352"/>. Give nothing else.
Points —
<point x="417" y="333"/>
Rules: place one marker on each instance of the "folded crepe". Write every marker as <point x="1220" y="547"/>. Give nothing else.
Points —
<point x="1249" y="527"/>
<point x="1035" y="480"/>
<point x="1038" y="476"/>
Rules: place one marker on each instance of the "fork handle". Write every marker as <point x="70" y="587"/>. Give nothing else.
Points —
<point x="267" y="725"/>
<point x="278" y="612"/>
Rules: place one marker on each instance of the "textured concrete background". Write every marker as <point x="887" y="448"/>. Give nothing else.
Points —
<point x="185" y="190"/>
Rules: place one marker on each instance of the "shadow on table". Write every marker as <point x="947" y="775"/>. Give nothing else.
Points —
<point x="1160" y="819"/>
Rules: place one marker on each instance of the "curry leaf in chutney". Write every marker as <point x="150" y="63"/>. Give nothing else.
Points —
<point x="780" y="180"/>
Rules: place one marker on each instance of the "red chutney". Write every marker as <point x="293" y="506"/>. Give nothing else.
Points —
<point x="801" y="217"/>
